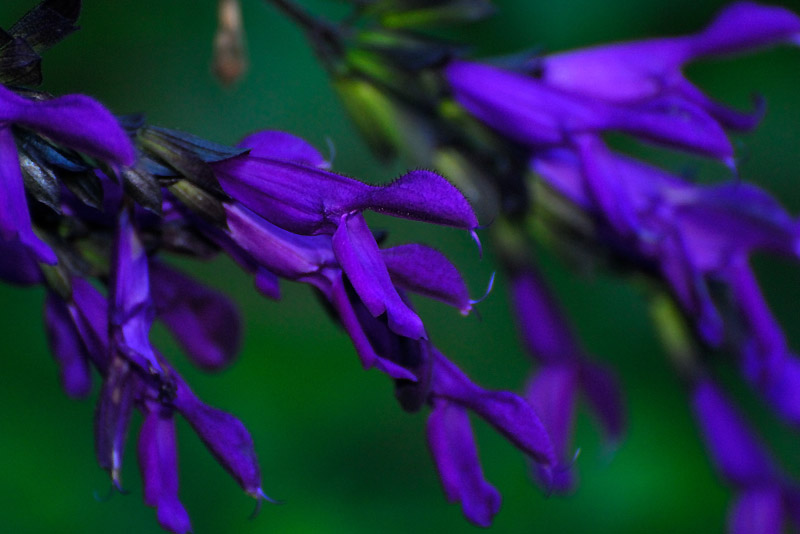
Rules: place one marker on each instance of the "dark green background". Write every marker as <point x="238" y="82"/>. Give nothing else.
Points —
<point x="332" y="442"/>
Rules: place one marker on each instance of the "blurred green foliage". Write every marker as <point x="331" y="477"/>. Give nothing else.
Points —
<point x="333" y="443"/>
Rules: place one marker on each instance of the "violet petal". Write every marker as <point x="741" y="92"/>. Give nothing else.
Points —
<point x="553" y="394"/>
<point x="455" y="453"/>
<point x="511" y="415"/>
<point x="112" y="415"/>
<point x="282" y="146"/>
<point x="158" y="462"/>
<point x="15" y="220"/>
<point x="360" y="258"/>
<point x="67" y="347"/>
<point x="426" y="271"/>
<point x="205" y="322"/>
<point x="131" y="313"/>
<point x="757" y="510"/>
<point x="733" y="447"/>
<point x="225" y="436"/>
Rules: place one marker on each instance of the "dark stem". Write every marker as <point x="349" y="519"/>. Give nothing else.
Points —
<point x="324" y="36"/>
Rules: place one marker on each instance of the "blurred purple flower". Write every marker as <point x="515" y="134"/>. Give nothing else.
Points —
<point x="564" y="372"/>
<point x="765" y="498"/>
<point x="627" y="73"/>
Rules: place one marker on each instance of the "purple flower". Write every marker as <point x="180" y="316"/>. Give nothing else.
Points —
<point x="637" y="71"/>
<point x="765" y="498"/>
<point x="285" y="197"/>
<point x="313" y="260"/>
<point x="455" y="452"/>
<point x="67" y="347"/>
<point x="158" y="462"/>
<point x="564" y="371"/>
<point x="691" y="232"/>
<point x="74" y="121"/>
<point x="530" y="112"/>
<point x="452" y="444"/>
<point x="131" y="313"/>
<point x="126" y="386"/>
<point x="205" y="322"/>
<point x="281" y="180"/>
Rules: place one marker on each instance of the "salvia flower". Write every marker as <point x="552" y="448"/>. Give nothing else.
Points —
<point x="564" y="372"/>
<point x="695" y="236"/>
<point x="293" y="193"/>
<point x="73" y="121"/>
<point x="642" y="70"/>
<point x="766" y="499"/>
<point x="159" y="396"/>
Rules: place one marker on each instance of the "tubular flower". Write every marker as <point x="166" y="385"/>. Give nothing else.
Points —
<point x="766" y="498"/>
<point x="641" y="70"/>
<point x="74" y="121"/>
<point x="564" y="372"/>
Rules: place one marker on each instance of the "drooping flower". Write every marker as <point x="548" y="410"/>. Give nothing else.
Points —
<point x="695" y="235"/>
<point x="765" y="499"/>
<point x="312" y="260"/>
<point x="281" y="182"/>
<point x="127" y="386"/>
<point x="73" y="121"/>
<point x="564" y="372"/>
<point x="641" y="70"/>
<point x="530" y="112"/>
<point x="205" y="322"/>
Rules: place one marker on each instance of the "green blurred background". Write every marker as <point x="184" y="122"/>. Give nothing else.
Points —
<point x="332" y="442"/>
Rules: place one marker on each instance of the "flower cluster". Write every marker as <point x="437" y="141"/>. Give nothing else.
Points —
<point x="524" y="138"/>
<point x="91" y="204"/>
<point x="107" y="197"/>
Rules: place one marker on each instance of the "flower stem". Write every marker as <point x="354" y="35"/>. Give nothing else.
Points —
<point x="324" y="36"/>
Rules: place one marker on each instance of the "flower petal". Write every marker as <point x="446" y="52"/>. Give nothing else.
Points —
<point x="205" y="322"/>
<point x="757" y="511"/>
<point x="131" y="312"/>
<point x="282" y="146"/>
<point x="76" y="121"/>
<point x="224" y="435"/>
<point x="359" y="329"/>
<point x="453" y="447"/>
<point x="112" y="415"/>
<point x="15" y="220"/>
<point x="733" y="448"/>
<point x="426" y="271"/>
<point x="67" y="347"/>
<point x="744" y="26"/>
<point x="158" y="462"/>
<point x="511" y="415"/>
<point x="553" y="394"/>
<point x="422" y="196"/>
<point x="360" y="258"/>
<point x="543" y="328"/>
